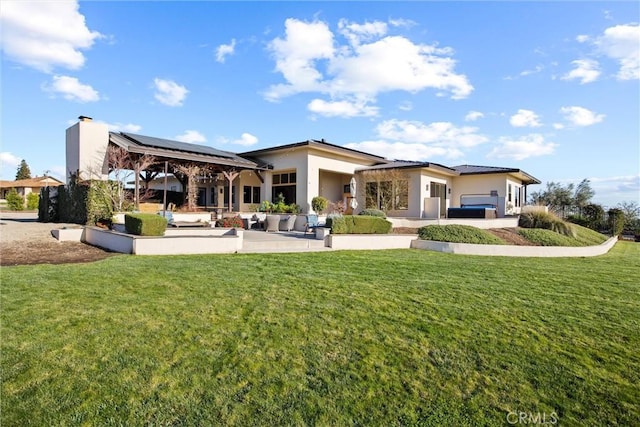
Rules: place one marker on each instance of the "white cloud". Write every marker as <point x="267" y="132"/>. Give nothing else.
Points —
<point x="45" y="34"/>
<point x="558" y="126"/>
<point x="582" y="38"/>
<point x="586" y="70"/>
<point x="536" y="70"/>
<point x="8" y="161"/>
<point x="532" y="145"/>
<point x="472" y="116"/>
<point x="414" y="140"/>
<point x="525" y="118"/>
<point x="580" y="116"/>
<point x="296" y="54"/>
<point x="169" y="92"/>
<point x="358" y="33"/>
<point x="71" y="89"/>
<point x="405" y="151"/>
<point x="192" y="137"/>
<point x="369" y="63"/>
<point x="246" y="139"/>
<point x="225" y="49"/>
<point x="617" y="184"/>
<point x="120" y="127"/>
<point x="622" y="43"/>
<point x="437" y="133"/>
<point x="342" y="108"/>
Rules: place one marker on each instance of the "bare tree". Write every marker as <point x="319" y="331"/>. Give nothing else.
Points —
<point x="120" y="167"/>
<point x="139" y="164"/>
<point x="190" y="171"/>
<point x="384" y="189"/>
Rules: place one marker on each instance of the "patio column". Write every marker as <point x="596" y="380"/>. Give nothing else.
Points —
<point x="230" y="175"/>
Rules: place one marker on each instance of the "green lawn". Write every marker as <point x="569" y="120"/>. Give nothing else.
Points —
<point x="402" y="337"/>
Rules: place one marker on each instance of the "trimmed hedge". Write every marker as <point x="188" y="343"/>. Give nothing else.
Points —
<point x="456" y="233"/>
<point x="373" y="212"/>
<point x="359" y="224"/>
<point x="145" y="224"/>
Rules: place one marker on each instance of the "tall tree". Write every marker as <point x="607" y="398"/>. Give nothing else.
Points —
<point x="583" y="194"/>
<point x="23" y="171"/>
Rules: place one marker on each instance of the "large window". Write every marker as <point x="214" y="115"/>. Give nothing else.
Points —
<point x="285" y="184"/>
<point x="251" y="194"/>
<point x="387" y="195"/>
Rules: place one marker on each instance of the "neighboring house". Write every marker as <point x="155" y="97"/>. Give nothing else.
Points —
<point x="303" y="170"/>
<point x="27" y="186"/>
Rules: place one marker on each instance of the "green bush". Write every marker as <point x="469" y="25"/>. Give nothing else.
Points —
<point x="373" y="212"/>
<point x="319" y="204"/>
<point x="544" y="237"/>
<point x="615" y="221"/>
<point x="32" y="201"/>
<point x="455" y="233"/>
<point x="579" y="219"/>
<point x="145" y="224"/>
<point x="15" y="202"/>
<point x="546" y="221"/>
<point x="355" y="224"/>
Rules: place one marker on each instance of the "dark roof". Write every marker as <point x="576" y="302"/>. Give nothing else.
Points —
<point x="480" y="170"/>
<point x="408" y="164"/>
<point x="314" y="143"/>
<point x="178" y="150"/>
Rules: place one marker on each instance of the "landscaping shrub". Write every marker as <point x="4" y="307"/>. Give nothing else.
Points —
<point x="579" y="219"/>
<point x="145" y="224"/>
<point x="373" y="212"/>
<point x="355" y="224"/>
<point x="588" y="237"/>
<point x="319" y="204"/>
<point x="15" y="202"/>
<point x="545" y="237"/>
<point x="458" y="234"/>
<point x="546" y="221"/>
<point x="32" y="201"/>
<point x="233" y="222"/>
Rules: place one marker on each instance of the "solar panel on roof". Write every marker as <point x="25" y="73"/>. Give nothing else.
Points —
<point x="179" y="146"/>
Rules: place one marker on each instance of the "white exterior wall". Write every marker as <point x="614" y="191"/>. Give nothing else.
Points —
<point x="86" y="150"/>
<point x="341" y="165"/>
<point x="332" y="185"/>
<point x="481" y="185"/>
<point x="308" y="164"/>
<point x="426" y="178"/>
<point x="249" y="178"/>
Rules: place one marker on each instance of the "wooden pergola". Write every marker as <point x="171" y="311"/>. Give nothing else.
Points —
<point x="184" y="160"/>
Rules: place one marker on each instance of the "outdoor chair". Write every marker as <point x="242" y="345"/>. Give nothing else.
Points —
<point x="273" y="223"/>
<point x="287" y="222"/>
<point x="311" y="224"/>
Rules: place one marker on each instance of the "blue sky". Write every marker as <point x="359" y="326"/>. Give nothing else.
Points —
<point x="552" y="88"/>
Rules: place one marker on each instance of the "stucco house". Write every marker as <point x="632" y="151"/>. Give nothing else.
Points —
<point x="302" y="170"/>
<point x="27" y="186"/>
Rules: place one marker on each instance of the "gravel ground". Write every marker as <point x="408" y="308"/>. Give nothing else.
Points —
<point x="24" y="240"/>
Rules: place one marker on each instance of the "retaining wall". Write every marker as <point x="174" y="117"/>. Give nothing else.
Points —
<point x="175" y="242"/>
<point x="369" y="241"/>
<point x="519" y="251"/>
